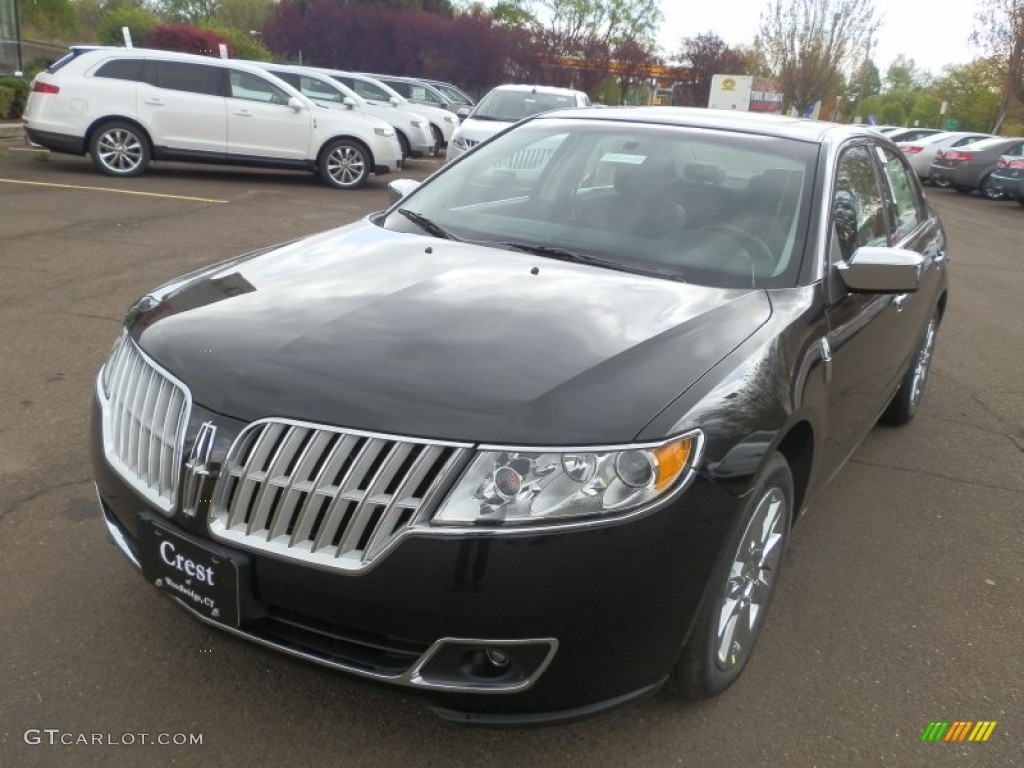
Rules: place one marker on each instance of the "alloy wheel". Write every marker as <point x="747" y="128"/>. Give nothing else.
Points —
<point x="346" y="166"/>
<point x="752" y="575"/>
<point x="120" y="151"/>
<point x="921" y="365"/>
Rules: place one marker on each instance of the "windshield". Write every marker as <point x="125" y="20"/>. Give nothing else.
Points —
<point x="709" y="207"/>
<point x="513" y="106"/>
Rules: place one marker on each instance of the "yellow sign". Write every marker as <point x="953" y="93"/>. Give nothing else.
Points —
<point x="728" y="84"/>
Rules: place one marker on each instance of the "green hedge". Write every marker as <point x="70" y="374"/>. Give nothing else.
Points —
<point x="13" y="95"/>
<point x="6" y="101"/>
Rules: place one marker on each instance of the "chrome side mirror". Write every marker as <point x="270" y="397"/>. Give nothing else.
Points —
<point x="349" y="102"/>
<point x="296" y="103"/>
<point x="882" y="270"/>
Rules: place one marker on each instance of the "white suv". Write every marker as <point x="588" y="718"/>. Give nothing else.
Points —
<point x="508" y="104"/>
<point x="411" y="128"/>
<point x="126" y="106"/>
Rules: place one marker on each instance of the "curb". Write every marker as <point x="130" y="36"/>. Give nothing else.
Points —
<point x="12" y="135"/>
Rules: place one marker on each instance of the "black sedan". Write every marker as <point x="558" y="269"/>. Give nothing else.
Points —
<point x="532" y="442"/>
<point x="970" y="167"/>
<point x="1008" y="177"/>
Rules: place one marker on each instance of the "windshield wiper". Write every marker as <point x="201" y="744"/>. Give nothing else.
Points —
<point x="427" y="225"/>
<point x="563" y="254"/>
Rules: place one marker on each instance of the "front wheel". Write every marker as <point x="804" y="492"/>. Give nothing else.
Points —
<point x="344" y="164"/>
<point x="903" y="406"/>
<point x="734" y="609"/>
<point x="119" y="149"/>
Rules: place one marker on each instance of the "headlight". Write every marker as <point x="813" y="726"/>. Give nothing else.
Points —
<point x="384" y="131"/>
<point x="111" y="364"/>
<point x="524" y="486"/>
<point x="451" y="119"/>
<point x="417" y="124"/>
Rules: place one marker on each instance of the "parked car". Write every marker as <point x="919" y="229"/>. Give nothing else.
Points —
<point x="128" y="106"/>
<point x="458" y="96"/>
<point x="508" y="104"/>
<point x="970" y="167"/>
<point x="912" y="134"/>
<point x="529" y="445"/>
<point x="1008" y="177"/>
<point x="412" y="128"/>
<point x="417" y="91"/>
<point x="921" y="153"/>
<point x="442" y="121"/>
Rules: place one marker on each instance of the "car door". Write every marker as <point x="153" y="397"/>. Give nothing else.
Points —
<point x="260" y="122"/>
<point x="182" y="106"/>
<point x="911" y="227"/>
<point x="862" y="363"/>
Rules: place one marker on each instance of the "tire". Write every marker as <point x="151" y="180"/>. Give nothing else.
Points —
<point x="344" y="164"/>
<point x="1021" y="199"/>
<point x="719" y="646"/>
<point x="989" y="191"/>
<point x="120" y="149"/>
<point x="438" y="136"/>
<point x="404" y="142"/>
<point x="904" y="404"/>
<point x="963" y="190"/>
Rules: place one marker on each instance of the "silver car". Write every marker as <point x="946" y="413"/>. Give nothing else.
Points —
<point x="921" y="153"/>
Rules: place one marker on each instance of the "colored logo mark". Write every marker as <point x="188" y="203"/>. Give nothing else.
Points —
<point x="958" y="730"/>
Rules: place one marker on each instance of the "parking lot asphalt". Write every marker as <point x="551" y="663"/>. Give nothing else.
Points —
<point x="902" y="602"/>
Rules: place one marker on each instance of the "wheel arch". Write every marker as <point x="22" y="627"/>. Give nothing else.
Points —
<point x="346" y="137"/>
<point x="797" y="447"/>
<point x="100" y="121"/>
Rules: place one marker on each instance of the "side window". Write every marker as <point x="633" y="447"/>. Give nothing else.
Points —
<point x="908" y="206"/>
<point x="402" y="88"/>
<point x="193" y="78"/>
<point x="121" y="69"/>
<point x="289" y="77"/>
<point x="318" y="89"/>
<point x="369" y="91"/>
<point x="245" y="85"/>
<point x="858" y="212"/>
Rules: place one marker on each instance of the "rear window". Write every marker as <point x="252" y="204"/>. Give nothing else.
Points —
<point x="512" y="106"/>
<point x="66" y="59"/>
<point x="121" y="69"/>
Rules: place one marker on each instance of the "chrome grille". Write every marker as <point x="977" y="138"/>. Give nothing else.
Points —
<point x="327" y="497"/>
<point x="144" y="418"/>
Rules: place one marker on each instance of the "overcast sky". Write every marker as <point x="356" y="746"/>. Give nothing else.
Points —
<point x="932" y="33"/>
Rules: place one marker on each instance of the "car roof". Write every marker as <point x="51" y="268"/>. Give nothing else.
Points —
<point x="120" y="52"/>
<point x="537" y="89"/>
<point x="766" y="124"/>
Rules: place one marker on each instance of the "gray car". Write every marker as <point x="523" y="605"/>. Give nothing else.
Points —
<point x="970" y="167"/>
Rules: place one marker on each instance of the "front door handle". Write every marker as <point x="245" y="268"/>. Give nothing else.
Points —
<point x="153" y="102"/>
<point x="243" y="113"/>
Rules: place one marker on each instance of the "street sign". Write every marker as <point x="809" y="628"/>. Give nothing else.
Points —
<point x="951" y="124"/>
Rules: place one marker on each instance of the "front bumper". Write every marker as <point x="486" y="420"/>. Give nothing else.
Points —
<point x="599" y="612"/>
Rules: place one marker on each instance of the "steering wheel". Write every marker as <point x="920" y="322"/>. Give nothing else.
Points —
<point x="760" y="252"/>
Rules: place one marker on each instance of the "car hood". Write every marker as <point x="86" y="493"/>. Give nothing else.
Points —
<point x="479" y="130"/>
<point x="403" y="334"/>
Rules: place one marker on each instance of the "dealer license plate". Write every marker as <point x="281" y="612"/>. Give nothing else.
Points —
<point x="203" y="579"/>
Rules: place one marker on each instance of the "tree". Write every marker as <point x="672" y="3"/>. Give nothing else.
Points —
<point x="139" y="21"/>
<point x="1001" y="34"/>
<point x="186" y="11"/>
<point x="48" y="18"/>
<point x="245" y="15"/>
<point x="972" y="92"/>
<point x="808" y="43"/>
<point x="179" y="37"/>
<point x="705" y="56"/>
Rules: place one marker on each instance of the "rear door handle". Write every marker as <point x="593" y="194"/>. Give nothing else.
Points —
<point x="243" y="112"/>
<point x="153" y="102"/>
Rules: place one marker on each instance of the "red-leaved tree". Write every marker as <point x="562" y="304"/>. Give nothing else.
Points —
<point x="179" y="37"/>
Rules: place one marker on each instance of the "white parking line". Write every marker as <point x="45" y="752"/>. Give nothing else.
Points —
<point x="113" y="191"/>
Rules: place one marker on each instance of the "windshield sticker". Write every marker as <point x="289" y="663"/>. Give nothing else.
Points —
<point x="618" y="157"/>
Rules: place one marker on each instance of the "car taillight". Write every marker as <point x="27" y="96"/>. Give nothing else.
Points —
<point x="1001" y="162"/>
<point x="38" y="87"/>
<point x="957" y="157"/>
<point x="1019" y="163"/>
<point x="910" y="149"/>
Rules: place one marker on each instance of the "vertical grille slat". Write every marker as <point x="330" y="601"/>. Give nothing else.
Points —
<point x="144" y="413"/>
<point x="326" y="496"/>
